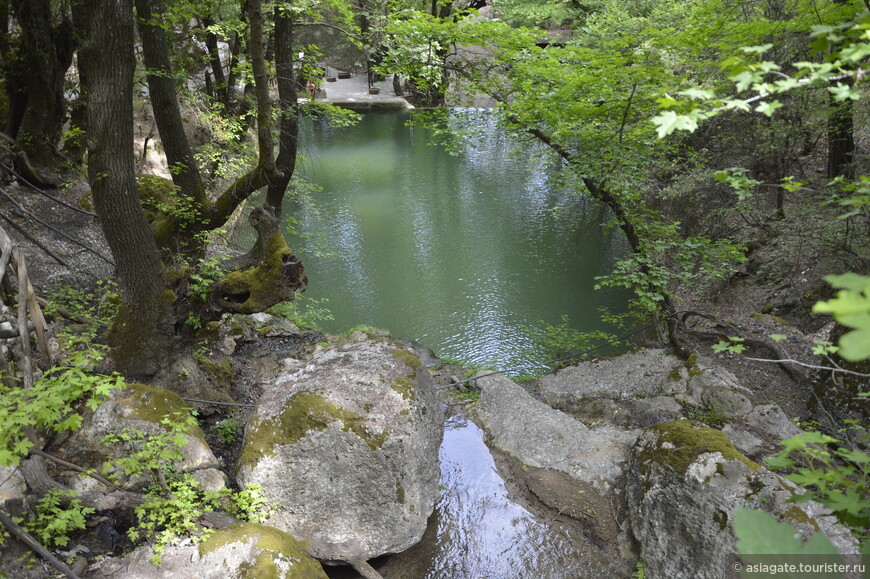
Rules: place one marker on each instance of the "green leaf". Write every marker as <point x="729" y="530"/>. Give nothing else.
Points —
<point x="855" y="345"/>
<point x="778" y="337"/>
<point x="843" y="92"/>
<point x="736" y="104"/>
<point x="697" y="94"/>
<point x="758" y="533"/>
<point x="668" y="121"/>
<point x="756" y="49"/>
<point x="850" y="281"/>
<point x="767" y="108"/>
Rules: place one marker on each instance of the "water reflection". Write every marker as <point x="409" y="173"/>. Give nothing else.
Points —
<point x="477" y="531"/>
<point x="462" y="253"/>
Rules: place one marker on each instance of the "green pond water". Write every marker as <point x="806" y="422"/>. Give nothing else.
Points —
<point x="463" y="253"/>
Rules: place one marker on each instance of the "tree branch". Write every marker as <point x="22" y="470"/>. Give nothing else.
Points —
<point x="36" y="546"/>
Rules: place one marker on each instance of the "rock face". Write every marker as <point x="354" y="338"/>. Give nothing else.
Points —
<point x="347" y="447"/>
<point x="541" y="436"/>
<point x="685" y="481"/>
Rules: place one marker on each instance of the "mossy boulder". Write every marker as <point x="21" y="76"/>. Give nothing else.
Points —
<point x="347" y="447"/>
<point x="252" y="551"/>
<point x="683" y="484"/>
<point x="240" y="551"/>
<point x="137" y="407"/>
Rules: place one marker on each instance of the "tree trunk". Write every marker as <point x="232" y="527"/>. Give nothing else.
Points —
<point x="841" y="140"/>
<point x="164" y="101"/>
<point x="288" y="134"/>
<point x="46" y="53"/>
<point x="214" y="56"/>
<point x="141" y="332"/>
<point x="75" y="144"/>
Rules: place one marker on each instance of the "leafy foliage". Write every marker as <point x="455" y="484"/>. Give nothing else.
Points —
<point x="833" y="475"/>
<point x="53" y="522"/>
<point x="176" y="500"/>
<point x="51" y="403"/>
<point x="148" y="453"/>
<point x="227" y="430"/>
<point x="851" y="307"/>
<point x="562" y="339"/>
<point x="304" y="312"/>
<point x="760" y="534"/>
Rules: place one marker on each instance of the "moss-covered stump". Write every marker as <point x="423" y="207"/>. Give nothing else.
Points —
<point x="685" y="481"/>
<point x="252" y="551"/>
<point x="266" y="275"/>
<point x="137" y="407"/>
<point x="347" y="447"/>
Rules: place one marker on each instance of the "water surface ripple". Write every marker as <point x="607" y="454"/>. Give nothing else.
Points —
<point x="464" y="252"/>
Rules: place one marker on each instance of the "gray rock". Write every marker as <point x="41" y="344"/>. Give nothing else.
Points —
<point x="743" y="440"/>
<point x="770" y="420"/>
<point x="240" y="551"/>
<point x="683" y="486"/>
<point x="643" y="373"/>
<point x="541" y="436"/>
<point x="137" y="407"/>
<point x="211" y="479"/>
<point x="347" y="447"/>
<point x="717" y="389"/>
<point x="648" y="411"/>
<point x="12" y="485"/>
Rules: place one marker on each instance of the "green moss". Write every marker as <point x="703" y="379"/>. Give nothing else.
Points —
<point x="259" y="282"/>
<point x="692" y="365"/>
<point x="152" y="404"/>
<point x="409" y="359"/>
<point x="776" y="320"/>
<point x="168" y="297"/>
<point x="405" y="387"/>
<point x="797" y="515"/>
<point x="264" y="331"/>
<point x="87" y="201"/>
<point x="220" y="372"/>
<point x="681" y="442"/>
<point x="400" y="494"/>
<point x="676" y="374"/>
<point x="304" y="412"/>
<point x="272" y="546"/>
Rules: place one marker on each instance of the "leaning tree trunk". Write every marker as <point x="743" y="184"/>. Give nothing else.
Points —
<point x="141" y="332"/>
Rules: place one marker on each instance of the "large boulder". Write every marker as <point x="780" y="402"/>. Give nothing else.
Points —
<point x="347" y="448"/>
<point x="643" y="373"/>
<point x="544" y="437"/>
<point x="685" y="481"/>
<point x="640" y="388"/>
